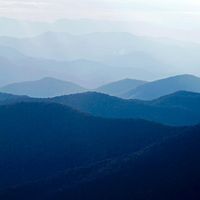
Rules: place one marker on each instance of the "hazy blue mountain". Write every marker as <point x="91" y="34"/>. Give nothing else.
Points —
<point x="169" y="170"/>
<point x="12" y="72"/>
<point x="23" y="28"/>
<point x="71" y="47"/>
<point x="46" y="87"/>
<point x="158" y="57"/>
<point x="120" y="87"/>
<point x="42" y="139"/>
<point x="167" y="111"/>
<point x="146" y="64"/>
<point x="16" y="67"/>
<point x="93" y="74"/>
<point x="164" y="87"/>
<point x="129" y="50"/>
<point x="11" y="54"/>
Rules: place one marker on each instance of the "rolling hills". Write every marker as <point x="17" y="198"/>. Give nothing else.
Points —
<point x="178" y="109"/>
<point x="41" y="139"/>
<point x="46" y="87"/>
<point x="156" y="89"/>
<point x="165" y="170"/>
<point x="167" y="110"/>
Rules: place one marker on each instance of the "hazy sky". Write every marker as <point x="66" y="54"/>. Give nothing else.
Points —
<point x="179" y="19"/>
<point x="157" y="11"/>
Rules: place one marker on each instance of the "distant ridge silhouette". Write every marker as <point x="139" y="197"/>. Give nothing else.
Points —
<point x="178" y="109"/>
<point x="46" y="87"/>
<point x="120" y="87"/>
<point x="156" y="89"/>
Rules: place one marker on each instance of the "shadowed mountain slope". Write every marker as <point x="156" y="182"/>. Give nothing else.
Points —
<point x="179" y="109"/>
<point x="166" y="170"/>
<point x="41" y="139"/>
<point x="165" y="110"/>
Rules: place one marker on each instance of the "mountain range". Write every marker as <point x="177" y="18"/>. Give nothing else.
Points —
<point x="24" y="28"/>
<point x="71" y="46"/>
<point x="119" y="88"/>
<point x="82" y="148"/>
<point x="17" y="67"/>
<point x="177" y="109"/>
<point x="88" y="112"/>
<point x="53" y="138"/>
<point x="159" y="88"/>
<point x="181" y="108"/>
<point x="99" y="159"/>
<point x="142" y="57"/>
<point x="126" y="88"/>
<point x="166" y="170"/>
<point x="46" y="87"/>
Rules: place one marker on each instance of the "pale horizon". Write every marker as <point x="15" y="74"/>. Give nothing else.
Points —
<point x="157" y="18"/>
